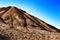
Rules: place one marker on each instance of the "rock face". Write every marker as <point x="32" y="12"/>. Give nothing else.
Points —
<point x="16" y="24"/>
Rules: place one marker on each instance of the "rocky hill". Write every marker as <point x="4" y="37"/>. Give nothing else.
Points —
<point x="16" y="24"/>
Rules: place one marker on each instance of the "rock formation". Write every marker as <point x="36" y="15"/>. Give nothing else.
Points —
<point x="16" y="24"/>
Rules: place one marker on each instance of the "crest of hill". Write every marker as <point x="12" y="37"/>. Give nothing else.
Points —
<point x="7" y="11"/>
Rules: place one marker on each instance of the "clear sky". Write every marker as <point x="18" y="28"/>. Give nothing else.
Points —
<point x="47" y="10"/>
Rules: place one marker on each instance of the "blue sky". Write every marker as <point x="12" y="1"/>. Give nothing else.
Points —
<point x="46" y="10"/>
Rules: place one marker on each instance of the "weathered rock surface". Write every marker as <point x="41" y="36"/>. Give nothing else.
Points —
<point x="16" y="24"/>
